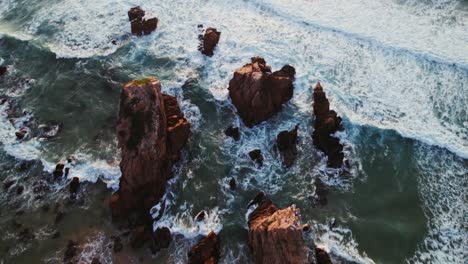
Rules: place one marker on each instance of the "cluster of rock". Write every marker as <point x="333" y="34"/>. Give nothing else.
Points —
<point x="208" y="40"/>
<point x="139" y="24"/>
<point x="327" y="122"/>
<point x="257" y="93"/>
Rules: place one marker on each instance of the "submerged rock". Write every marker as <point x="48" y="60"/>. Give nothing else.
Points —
<point x="256" y="155"/>
<point x="275" y="235"/>
<point x="3" y="70"/>
<point x="327" y="122"/>
<point x="206" y="251"/>
<point x="58" y="172"/>
<point x="286" y="143"/>
<point x="257" y="93"/>
<point x="140" y="25"/>
<point x="233" y="132"/>
<point x="151" y="133"/>
<point x="232" y="184"/>
<point x="209" y="40"/>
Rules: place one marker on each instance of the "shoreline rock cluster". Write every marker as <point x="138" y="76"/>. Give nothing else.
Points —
<point x="139" y="24"/>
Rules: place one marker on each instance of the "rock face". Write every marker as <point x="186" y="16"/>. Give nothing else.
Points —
<point x="327" y="122"/>
<point x="275" y="235"/>
<point x="286" y="142"/>
<point x="257" y="93"/>
<point x="139" y="24"/>
<point x="206" y="251"/>
<point x="209" y="40"/>
<point x="151" y="133"/>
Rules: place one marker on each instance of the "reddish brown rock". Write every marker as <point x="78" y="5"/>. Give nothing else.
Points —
<point x="206" y="251"/>
<point x="275" y="235"/>
<point x="322" y="256"/>
<point x="151" y="133"/>
<point x="209" y="41"/>
<point x="327" y="122"/>
<point x="286" y="143"/>
<point x="257" y="93"/>
<point x="139" y="25"/>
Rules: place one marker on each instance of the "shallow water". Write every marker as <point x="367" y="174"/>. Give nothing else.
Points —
<point x="396" y="71"/>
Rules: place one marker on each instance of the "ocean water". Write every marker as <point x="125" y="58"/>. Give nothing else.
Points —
<point x="395" y="70"/>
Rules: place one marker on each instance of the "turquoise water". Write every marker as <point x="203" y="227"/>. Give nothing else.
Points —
<point x="396" y="71"/>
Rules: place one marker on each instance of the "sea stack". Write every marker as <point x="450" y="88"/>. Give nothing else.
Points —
<point x="257" y="93"/>
<point x="209" y="40"/>
<point x="327" y="122"/>
<point x="139" y="24"/>
<point x="286" y="143"/>
<point x="151" y="132"/>
<point x="275" y="235"/>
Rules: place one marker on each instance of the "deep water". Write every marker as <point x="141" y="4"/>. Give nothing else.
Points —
<point x="396" y="71"/>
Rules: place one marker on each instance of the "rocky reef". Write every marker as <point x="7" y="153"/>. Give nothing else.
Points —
<point x="257" y="93"/>
<point x="327" y="122"/>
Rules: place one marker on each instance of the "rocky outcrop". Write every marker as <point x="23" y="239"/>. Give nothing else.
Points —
<point x="257" y="93"/>
<point x="208" y="41"/>
<point x="256" y="155"/>
<point x="232" y="132"/>
<point x="139" y="24"/>
<point x="327" y="122"/>
<point x="286" y="143"/>
<point x="151" y="132"/>
<point x="206" y="251"/>
<point x="275" y="235"/>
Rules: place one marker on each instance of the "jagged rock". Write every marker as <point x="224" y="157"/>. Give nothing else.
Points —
<point x="233" y="132"/>
<point x="151" y="133"/>
<point x="327" y="122"/>
<point x="20" y="134"/>
<point x="232" y="184"/>
<point x="140" y="25"/>
<point x="162" y="238"/>
<point x="58" y="172"/>
<point x="321" y="191"/>
<point x="322" y="256"/>
<point x="257" y="93"/>
<point x="286" y="142"/>
<point x="74" y="185"/>
<point x="206" y="251"/>
<point x="71" y="251"/>
<point x="256" y="155"/>
<point x="3" y="70"/>
<point x="275" y="235"/>
<point x="209" y="41"/>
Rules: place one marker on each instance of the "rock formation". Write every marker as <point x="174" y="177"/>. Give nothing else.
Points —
<point x="256" y="155"/>
<point x="208" y="41"/>
<point x="151" y="133"/>
<point x="286" y="143"/>
<point x="232" y="132"/>
<point x="257" y="93"/>
<point x="139" y="24"/>
<point x="275" y="235"/>
<point x="327" y="122"/>
<point x="206" y="251"/>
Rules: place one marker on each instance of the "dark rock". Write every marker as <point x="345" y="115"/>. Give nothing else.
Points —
<point x="114" y="42"/>
<point x="327" y="122"/>
<point x="322" y="256"/>
<point x="321" y="190"/>
<point x="118" y="246"/>
<point x="151" y="133"/>
<point x="21" y="134"/>
<point x="96" y="260"/>
<point x="162" y="238"/>
<point x="136" y="13"/>
<point x="3" y="70"/>
<point x="286" y="142"/>
<point x="306" y="228"/>
<point x="150" y="25"/>
<point x="233" y="132"/>
<point x="19" y="190"/>
<point x="74" y="185"/>
<point x="200" y="216"/>
<point x="276" y="235"/>
<point x="206" y="251"/>
<point x="58" y="172"/>
<point x="209" y="41"/>
<point x="256" y="155"/>
<point x="232" y="184"/>
<point x="8" y="183"/>
<point x="140" y="25"/>
<point x="71" y="251"/>
<point x="257" y="93"/>
<point x="257" y="199"/>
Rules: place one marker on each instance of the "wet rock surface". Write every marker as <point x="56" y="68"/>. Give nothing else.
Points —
<point x="208" y="41"/>
<point x="139" y="24"/>
<point x="286" y="142"/>
<point x="276" y="235"/>
<point x="257" y="93"/>
<point x="327" y="122"/>
<point x="206" y="251"/>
